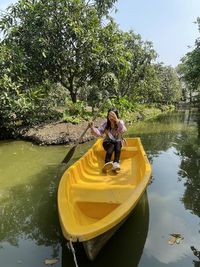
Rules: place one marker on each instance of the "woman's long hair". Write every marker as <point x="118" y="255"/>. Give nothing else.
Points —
<point x="108" y="125"/>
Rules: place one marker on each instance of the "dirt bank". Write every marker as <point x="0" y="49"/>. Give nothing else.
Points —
<point x="57" y="133"/>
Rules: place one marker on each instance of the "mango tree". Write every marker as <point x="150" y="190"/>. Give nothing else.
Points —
<point x="60" y="41"/>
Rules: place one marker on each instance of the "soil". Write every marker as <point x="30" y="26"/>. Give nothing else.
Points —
<point x="57" y="133"/>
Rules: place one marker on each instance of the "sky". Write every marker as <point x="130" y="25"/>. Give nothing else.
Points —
<point x="168" y="24"/>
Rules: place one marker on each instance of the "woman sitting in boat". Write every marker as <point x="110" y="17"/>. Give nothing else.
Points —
<point x="113" y="129"/>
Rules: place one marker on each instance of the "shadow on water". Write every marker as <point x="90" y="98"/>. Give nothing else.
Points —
<point x="124" y="248"/>
<point x="29" y="212"/>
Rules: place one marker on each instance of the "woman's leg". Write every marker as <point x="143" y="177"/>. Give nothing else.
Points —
<point x="109" y="148"/>
<point x="117" y="150"/>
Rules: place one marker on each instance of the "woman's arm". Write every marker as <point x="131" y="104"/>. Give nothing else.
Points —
<point x="121" y="127"/>
<point x="98" y="131"/>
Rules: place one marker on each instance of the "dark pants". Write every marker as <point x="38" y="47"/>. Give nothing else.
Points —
<point x="111" y="146"/>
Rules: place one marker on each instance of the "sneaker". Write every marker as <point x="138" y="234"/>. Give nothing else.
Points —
<point x="107" y="167"/>
<point x="116" y="166"/>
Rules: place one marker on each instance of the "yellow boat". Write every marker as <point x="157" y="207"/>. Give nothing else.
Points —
<point x="92" y="205"/>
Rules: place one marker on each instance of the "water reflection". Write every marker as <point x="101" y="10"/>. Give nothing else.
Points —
<point x="167" y="219"/>
<point x="197" y="254"/>
<point x="29" y="212"/>
<point x="124" y="248"/>
<point x="160" y="134"/>
<point x="176" y="156"/>
<point x="189" y="152"/>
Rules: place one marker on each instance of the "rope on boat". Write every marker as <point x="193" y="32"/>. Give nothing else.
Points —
<point x="73" y="252"/>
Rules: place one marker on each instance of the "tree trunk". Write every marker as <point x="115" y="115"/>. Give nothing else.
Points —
<point x="70" y="88"/>
<point x="73" y="96"/>
<point x="73" y="93"/>
<point x="190" y="96"/>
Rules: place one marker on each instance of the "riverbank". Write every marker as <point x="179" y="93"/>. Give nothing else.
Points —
<point x="60" y="132"/>
<point x="57" y="133"/>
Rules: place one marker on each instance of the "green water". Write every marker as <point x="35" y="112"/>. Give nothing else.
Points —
<point x="29" y="177"/>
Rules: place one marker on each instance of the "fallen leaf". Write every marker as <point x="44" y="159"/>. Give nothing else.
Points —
<point x="172" y="240"/>
<point x="51" y="261"/>
<point x="175" y="239"/>
<point x="176" y="235"/>
<point x="178" y="240"/>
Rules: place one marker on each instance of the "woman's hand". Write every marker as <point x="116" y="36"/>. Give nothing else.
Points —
<point x="106" y="132"/>
<point x="91" y="124"/>
<point x="113" y="116"/>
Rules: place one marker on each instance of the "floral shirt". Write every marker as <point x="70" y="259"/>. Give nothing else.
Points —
<point x="113" y="134"/>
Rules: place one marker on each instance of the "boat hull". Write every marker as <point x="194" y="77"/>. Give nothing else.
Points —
<point x="125" y="247"/>
<point x="93" y="205"/>
<point x="93" y="246"/>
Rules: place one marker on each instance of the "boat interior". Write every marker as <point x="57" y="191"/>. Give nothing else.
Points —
<point x="94" y="194"/>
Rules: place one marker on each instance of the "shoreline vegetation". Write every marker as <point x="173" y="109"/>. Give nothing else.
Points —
<point x="61" y="132"/>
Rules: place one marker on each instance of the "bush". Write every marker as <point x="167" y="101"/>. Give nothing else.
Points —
<point x="74" y="109"/>
<point x="24" y="107"/>
<point x="124" y="105"/>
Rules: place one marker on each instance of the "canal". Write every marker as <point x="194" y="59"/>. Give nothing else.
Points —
<point x="29" y="226"/>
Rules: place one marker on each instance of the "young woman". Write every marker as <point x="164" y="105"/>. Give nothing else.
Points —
<point x="113" y="129"/>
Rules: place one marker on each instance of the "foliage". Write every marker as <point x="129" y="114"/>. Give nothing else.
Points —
<point x="62" y="41"/>
<point x="94" y="96"/>
<point x="189" y="152"/>
<point x="103" y="6"/>
<point x="23" y="108"/>
<point x="138" y="56"/>
<point x="123" y="105"/>
<point x="75" y="112"/>
<point x="170" y="87"/>
<point x="189" y="69"/>
<point x="148" y="90"/>
<point x="53" y="50"/>
<point x="74" y="109"/>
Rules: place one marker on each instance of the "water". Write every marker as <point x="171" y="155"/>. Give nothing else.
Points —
<point x="29" y="226"/>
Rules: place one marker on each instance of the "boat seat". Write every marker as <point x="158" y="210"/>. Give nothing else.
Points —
<point x="130" y="148"/>
<point x="124" y="148"/>
<point x="126" y="152"/>
<point x="111" y="194"/>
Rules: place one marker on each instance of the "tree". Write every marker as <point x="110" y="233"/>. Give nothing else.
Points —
<point x="138" y="60"/>
<point x="103" y="6"/>
<point x="62" y="41"/>
<point x="170" y="86"/>
<point x="149" y="87"/>
<point x="190" y="68"/>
